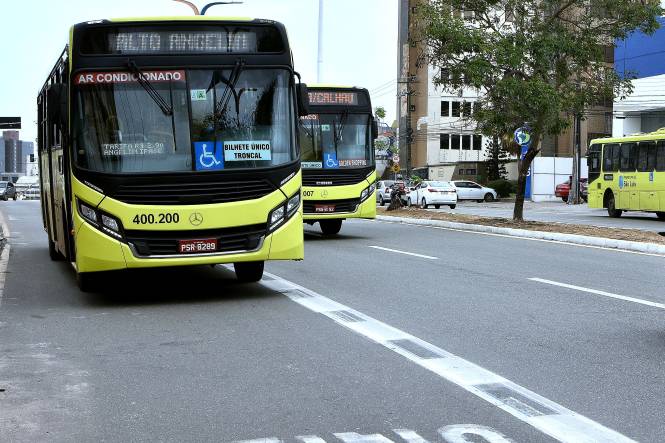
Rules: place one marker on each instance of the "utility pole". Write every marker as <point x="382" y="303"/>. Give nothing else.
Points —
<point x="574" y="193"/>
<point x="319" y="61"/>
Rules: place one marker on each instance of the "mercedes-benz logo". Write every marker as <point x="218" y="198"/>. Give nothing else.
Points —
<point x="324" y="193"/>
<point x="196" y="218"/>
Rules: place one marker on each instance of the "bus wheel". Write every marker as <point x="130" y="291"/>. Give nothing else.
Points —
<point x="612" y="211"/>
<point x="86" y="281"/>
<point x="660" y="215"/>
<point x="53" y="253"/>
<point x="248" y="272"/>
<point x="330" y="227"/>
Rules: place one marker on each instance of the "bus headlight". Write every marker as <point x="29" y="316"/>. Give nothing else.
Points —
<point x="283" y="212"/>
<point x="102" y="221"/>
<point x="367" y="192"/>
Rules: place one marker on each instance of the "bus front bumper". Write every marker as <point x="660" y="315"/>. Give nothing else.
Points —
<point x="97" y="251"/>
<point x="366" y="209"/>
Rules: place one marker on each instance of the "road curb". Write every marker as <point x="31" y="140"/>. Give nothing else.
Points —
<point x="601" y="242"/>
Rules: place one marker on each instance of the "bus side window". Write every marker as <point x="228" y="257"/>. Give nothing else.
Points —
<point x="651" y="156"/>
<point x="627" y="157"/>
<point x="642" y="157"/>
<point x="607" y="157"/>
<point x="616" y="157"/>
<point x="660" y="156"/>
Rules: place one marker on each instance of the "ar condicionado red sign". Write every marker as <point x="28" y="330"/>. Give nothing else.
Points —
<point x="98" y="78"/>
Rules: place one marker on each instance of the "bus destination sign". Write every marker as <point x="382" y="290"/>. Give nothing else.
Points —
<point x="333" y="98"/>
<point x="181" y="42"/>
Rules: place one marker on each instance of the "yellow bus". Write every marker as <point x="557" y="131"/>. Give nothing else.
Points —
<point x="172" y="141"/>
<point x="628" y="173"/>
<point x="338" y="166"/>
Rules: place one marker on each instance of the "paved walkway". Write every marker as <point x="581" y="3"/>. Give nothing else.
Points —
<point x="562" y="213"/>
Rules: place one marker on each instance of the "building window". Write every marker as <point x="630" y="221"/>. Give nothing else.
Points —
<point x="456" y="109"/>
<point x="477" y="142"/>
<point x="445" y="109"/>
<point x="470" y="172"/>
<point x="468" y="16"/>
<point x="444" y="141"/>
<point x="454" y="141"/>
<point x="466" y="109"/>
<point x="466" y="142"/>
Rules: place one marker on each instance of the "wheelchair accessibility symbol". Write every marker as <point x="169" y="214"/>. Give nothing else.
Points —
<point x="209" y="156"/>
<point x="330" y="161"/>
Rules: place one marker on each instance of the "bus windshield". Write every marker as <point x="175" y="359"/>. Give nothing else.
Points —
<point x="215" y="119"/>
<point x="333" y="141"/>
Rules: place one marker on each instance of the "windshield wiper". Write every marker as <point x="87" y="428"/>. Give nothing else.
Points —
<point x="152" y="92"/>
<point x="338" y="133"/>
<point x="230" y="86"/>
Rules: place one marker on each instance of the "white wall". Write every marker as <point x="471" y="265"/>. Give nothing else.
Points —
<point x="646" y="96"/>
<point x="547" y="172"/>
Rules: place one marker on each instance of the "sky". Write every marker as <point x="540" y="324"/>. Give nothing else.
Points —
<point x="359" y="42"/>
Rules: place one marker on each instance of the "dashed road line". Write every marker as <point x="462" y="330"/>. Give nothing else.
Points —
<point x="598" y="292"/>
<point x="541" y="413"/>
<point x="397" y="251"/>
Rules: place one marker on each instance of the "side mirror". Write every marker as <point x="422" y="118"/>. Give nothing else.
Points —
<point x="303" y="99"/>
<point x="56" y="103"/>
<point x="375" y="129"/>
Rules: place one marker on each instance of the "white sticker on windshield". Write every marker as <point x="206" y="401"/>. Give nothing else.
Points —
<point x="247" y="150"/>
<point x="325" y="128"/>
<point x="146" y="148"/>
<point x="312" y="165"/>
<point x="198" y="95"/>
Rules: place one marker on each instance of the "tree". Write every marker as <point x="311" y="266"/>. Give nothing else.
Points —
<point x="497" y="157"/>
<point x="533" y="61"/>
<point x="380" y="112"/>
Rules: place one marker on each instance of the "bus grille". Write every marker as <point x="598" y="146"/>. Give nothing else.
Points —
<point x="347" y="205"/>
<point x="151" y="243"/>
<point x="192" y="193"/>
<point x="318" y="179"/>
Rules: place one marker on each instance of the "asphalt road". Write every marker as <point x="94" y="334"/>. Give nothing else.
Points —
<point x="559" y="212"/>
<point x="360" y="342"/>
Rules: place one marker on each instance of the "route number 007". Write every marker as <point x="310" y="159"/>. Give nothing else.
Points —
<point x="152" y="219"/>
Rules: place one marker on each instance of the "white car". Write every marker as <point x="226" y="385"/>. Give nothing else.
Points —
<point x="433" y="193"/>
<point x="468" y="190"/>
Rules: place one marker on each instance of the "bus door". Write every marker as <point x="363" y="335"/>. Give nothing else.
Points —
<point x="646" y="165"/>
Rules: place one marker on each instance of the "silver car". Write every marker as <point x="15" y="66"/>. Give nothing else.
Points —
<point x="383" y="191"/>
<point x="468" y="190"/>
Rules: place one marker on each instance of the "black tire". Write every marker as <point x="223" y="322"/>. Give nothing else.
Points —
<point x="612" y="211"/>
<point x="408" y="202"/>
<point x="382" y="202"/>
<point x="565" y="199"/>
<point x="489" y="197"/>
<point x="87" y="281"/>
<point x="14" y="197"/>
<point x="249" y="272"/>
<point x="437" y="206"/>
<point x="452" y="206"/>
<point x="5" y="198"/>
<point x="53" y="253"/>
<point x="423" y="203"/>
<point x="660" y="215"/>
<point x="330" y="227"/>
<point x="479" y="201"/>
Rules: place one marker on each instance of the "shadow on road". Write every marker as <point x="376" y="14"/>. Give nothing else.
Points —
<point x="199" y="284"/>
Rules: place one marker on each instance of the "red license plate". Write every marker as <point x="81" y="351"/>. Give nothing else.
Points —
<point x="324" y="208"/>
<point x="197" y="246"/>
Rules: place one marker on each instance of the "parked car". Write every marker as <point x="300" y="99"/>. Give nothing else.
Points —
<point x="468" y="190"/>
<point x="383" y="188"/>
<point x="435" y="193"/>
<point x="7" y="191"/>
<point x="562" y="190"/>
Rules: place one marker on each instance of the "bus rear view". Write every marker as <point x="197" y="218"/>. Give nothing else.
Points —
<point x="169" y="143"/>
<point x="337" y="153"/>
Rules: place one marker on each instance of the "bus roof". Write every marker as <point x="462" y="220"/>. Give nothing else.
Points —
<point x="656" y="135"/>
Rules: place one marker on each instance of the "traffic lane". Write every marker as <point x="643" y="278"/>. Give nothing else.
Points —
<point x="167" y="354"/>
<point x="560" y="213"/>
<point x="627" y="273"/>
<point x="596" y="356"/>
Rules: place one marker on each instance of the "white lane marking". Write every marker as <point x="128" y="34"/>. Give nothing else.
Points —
<point x="397" y="251"/>
<point x="492" y="234"/>
<point x="541" y="413"/>
<point x="598" y="292"/>
<point x="459" y="434"/>
<point x="4" y="257"/>
<point x="354" y="437"/>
